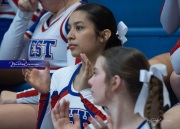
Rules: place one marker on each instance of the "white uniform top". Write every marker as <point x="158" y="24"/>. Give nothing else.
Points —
<point x="62" y="88"/>
<point x="47" y="42"/>
<point x="42" y="42"/>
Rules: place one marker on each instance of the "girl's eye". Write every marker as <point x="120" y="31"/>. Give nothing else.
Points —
<point x="78" y="28"/>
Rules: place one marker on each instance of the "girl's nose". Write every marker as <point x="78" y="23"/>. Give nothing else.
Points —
<point x="70" y="35"/>
<point x="89" y="82"/>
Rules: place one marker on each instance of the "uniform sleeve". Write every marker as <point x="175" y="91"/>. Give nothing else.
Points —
<point x="170" y="16"/>
<point x="38" y="13"/>
<point x="47" y="101"/>
<point x="14" y="43"/>
<point x="13" y="4"/>
<point x="30" y="96"/>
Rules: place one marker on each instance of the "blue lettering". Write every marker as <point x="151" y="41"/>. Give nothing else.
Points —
<point x="48" y="45"/>
<point x="36" y="48"/>
<point x="83" y="116"/>
<point x="39" y="48"/>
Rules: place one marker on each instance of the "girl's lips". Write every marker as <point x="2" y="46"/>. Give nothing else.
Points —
<point x="72" y="46"/>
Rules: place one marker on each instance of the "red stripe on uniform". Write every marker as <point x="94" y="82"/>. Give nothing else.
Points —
<point x="16" y="2"/>
<point x="28" y="34"/>
<point x="175" y="47"/>
<point x="54" y="100"/>
<point x="92" y="108"/>
<point x="42" y="101"/>
<point x="78" y="60"/>
<point x="63" y="94"/>
<point x="34" y="17"/>
<point x="8" y="13"/>
<point x="27" y="94"/>
<point x="44" y="29"/>
<point x="61" y="31"/>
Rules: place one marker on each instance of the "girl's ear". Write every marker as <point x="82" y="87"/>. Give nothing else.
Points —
<point x="116" y="82"/>
<point x="105" y="35"/>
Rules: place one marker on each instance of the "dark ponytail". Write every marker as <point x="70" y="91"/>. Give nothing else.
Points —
<point x="113" y="42"/>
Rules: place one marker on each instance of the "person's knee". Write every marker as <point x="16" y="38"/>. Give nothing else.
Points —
<point x="7" y="97"/>
<point x="18" y="116"/>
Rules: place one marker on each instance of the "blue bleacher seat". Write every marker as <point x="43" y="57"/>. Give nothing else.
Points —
<point x="143" y="20"/>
